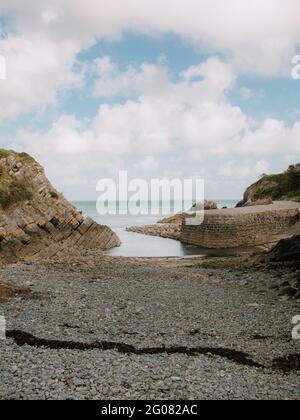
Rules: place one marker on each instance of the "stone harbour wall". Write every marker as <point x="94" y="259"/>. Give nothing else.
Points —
<point x="231" y="228"/>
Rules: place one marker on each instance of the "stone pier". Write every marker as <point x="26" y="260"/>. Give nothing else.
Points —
<point x="242" y="227"/>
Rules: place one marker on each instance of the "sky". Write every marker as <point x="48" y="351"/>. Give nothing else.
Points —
<point x="200" y="88"/>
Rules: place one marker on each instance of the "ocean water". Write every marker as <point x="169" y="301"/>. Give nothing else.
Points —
<point x="135" y="245"/>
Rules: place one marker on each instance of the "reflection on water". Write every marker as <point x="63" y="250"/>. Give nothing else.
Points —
<point x="135" y="245"/>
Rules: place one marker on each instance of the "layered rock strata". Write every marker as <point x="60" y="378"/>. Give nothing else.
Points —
<point x="36" y="220"/>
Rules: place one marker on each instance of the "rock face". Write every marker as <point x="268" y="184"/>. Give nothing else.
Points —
<point x="36" y="220"/>
<point x="285" y="187"/>
<point x="287" y="250"/>
<point x="286" y="254"/>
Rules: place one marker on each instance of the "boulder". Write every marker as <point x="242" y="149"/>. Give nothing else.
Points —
<point x="287" y="254"/>
<point x="206" y="205"/>
<point x="179" y="218"/>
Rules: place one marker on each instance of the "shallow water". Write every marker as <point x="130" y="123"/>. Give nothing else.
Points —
<point x="136" y="245"/>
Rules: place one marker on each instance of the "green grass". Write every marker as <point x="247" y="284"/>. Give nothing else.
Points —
<point x="12" y="190"/>
<point x="23" y="157"/>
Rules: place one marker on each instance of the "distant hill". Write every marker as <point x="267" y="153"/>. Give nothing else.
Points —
<point x="285" y="186"/>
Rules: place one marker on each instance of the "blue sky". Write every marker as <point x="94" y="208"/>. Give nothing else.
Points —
<point x="92" y="90"/>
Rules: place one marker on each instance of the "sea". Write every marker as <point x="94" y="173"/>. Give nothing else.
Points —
<point x="136" y="245"/>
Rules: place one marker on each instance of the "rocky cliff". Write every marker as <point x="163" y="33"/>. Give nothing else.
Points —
<point x="285" y="258"/>
<point x="36" y="220"/>
<point x="285" y="186"/>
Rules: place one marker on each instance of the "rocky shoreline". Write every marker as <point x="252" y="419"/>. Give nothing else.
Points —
<point x="117" y="328"/>
<point x="163" y="230"/>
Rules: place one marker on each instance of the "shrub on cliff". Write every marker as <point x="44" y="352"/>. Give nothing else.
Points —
<point x="14" y="189"/>
<point x="14" y="192"/>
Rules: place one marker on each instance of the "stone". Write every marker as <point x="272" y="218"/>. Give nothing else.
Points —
<point x="297" y="295"/>
<point x="253" y="305"/>
<point x="285" y="284"/>
<point x="206" y="205"/>
<point x="244" y="283"/>
<point x="176" y="379"/>
<point x="180" y="217"/>
<point x="289" y="291"/>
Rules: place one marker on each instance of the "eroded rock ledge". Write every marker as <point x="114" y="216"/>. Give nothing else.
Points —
<point x="36" y="220"/>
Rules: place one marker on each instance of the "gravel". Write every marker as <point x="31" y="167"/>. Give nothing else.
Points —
<point x="146" y="303"/>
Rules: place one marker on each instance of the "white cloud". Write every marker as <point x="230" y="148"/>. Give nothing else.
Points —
<point x="269" y="139"/>
<point x="188" y="125"/>
<point x="245" y="169"/>
<point x="148" y="79"/>
<point x="259" y="36"/>
<point x="246" y="93"/>
<point x="37" y="70"/>
<point x="148" y="165"/>
<point x="208" y="81"/>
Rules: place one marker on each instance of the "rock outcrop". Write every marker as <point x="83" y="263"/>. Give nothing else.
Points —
<point x="36" y="220"/>
<point x="171" y="227"/>
<point x="285" y="255"/>
<point x="280" y="187"/>
<point x="179" y="218"/>
<point x="163" y="230"/>
<point x="287" y="250"/>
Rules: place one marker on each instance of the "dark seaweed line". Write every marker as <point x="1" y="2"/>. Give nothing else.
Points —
<point x="289" y="363"/>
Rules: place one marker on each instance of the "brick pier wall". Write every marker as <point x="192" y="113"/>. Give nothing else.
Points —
<point x="248" y="226"/>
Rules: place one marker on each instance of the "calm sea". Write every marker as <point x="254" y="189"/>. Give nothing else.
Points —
<point x="135" y="245"/>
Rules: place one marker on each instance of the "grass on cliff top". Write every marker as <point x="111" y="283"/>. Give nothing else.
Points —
<point x="24" y="157"/>
<point x="278" y="187"/>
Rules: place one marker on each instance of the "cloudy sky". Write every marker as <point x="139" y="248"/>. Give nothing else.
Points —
<point x="162" y="88"/>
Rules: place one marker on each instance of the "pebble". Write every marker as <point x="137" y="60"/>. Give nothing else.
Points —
<point x="166" y="310"/>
